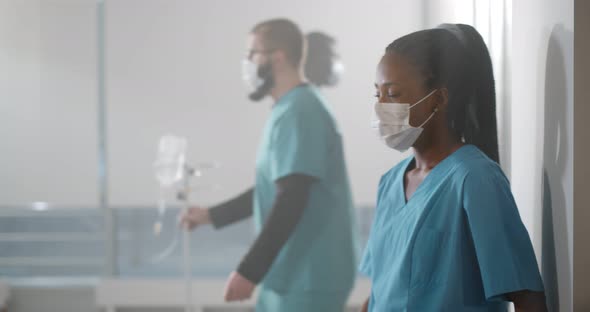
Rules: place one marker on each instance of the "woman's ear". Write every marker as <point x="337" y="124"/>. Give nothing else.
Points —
<point x="442" y="99"/>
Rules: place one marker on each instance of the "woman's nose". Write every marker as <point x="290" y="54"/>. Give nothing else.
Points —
<point x="383" y="99"/>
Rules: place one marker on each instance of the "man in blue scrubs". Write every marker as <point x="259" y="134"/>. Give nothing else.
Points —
<point x="304" y="256"/>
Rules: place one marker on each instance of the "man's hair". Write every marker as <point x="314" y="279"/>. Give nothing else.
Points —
<point x="282" y="34"/>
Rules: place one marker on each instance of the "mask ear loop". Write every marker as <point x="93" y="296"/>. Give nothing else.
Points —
<point x="427" y="120"/>
<point x="431" y="115"/>
<point x="424" y="98"/>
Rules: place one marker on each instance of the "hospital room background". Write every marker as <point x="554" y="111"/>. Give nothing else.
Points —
<point x="88" y="87"/>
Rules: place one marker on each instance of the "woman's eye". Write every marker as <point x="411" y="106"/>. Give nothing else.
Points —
<point x="389" y="95"/>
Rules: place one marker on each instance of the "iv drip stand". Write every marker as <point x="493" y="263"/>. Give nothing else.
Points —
<point x="186" y="242"/>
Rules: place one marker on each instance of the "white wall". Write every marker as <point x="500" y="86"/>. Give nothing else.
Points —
<point x="48" y="101"/>
<point x="492" y="18"/>
<point x="174" y="67"/>
<point x="581" y="156"/>
<point x="542" y="136"/>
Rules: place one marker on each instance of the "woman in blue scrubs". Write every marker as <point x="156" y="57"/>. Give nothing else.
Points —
<point x="447" y="235"/>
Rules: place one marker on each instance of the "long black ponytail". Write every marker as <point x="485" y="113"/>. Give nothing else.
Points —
<point x="455" y="56"/>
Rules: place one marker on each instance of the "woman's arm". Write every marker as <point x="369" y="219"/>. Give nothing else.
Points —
<point x="365" y="307"/>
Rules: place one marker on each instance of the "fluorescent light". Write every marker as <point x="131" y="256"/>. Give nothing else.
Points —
<point x="40" y="206"/>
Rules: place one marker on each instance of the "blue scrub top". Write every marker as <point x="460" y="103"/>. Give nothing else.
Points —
<point x="301" y="137"/>
<point x="458" y="244"/>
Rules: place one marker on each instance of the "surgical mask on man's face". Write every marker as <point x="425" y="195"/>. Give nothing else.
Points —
<point x="258" y="78"/>
<point x="250" y="74"/>
<point x="393" y="124"/>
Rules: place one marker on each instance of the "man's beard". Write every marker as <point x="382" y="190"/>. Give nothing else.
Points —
<point x="264" y="72"/>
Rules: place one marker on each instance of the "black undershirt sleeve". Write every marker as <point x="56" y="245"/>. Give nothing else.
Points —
<point x="288" y="208"/>
<point x="234" y="210"/>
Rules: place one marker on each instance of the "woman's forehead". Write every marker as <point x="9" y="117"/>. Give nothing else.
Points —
<point x="394" y="69"/>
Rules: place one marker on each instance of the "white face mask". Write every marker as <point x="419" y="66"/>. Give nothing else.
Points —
<point x="250" y="74"/>
<point x="393" y="124"/>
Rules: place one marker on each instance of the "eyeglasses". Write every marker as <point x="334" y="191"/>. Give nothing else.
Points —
<point x="252" y="52"/>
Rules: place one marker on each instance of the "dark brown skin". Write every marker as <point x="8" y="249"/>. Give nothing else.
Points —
<point x="398" y="81"/>
<point x="365" y="307"/>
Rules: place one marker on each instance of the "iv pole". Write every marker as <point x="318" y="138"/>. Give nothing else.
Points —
<point x="186" y="251"/>
<point x="183" y="195"/>
<point x="172" y="170"/>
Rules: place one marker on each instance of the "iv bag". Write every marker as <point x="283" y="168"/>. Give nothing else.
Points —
<point x="170" y="161"/>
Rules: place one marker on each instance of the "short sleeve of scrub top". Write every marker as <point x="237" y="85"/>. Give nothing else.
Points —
<point x="299" y="145"/>
<point x="501" y="241"/>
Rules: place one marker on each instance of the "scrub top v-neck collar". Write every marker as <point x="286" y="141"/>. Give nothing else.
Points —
<point x="440" y="169"/>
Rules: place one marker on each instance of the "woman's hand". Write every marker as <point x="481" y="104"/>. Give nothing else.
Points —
<point x="528" y="301"/>
<point x="365" y="307"/>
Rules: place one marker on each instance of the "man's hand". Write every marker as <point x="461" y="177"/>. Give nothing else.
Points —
<point x="194" y="217"/>
<point x="238" y="288"/>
